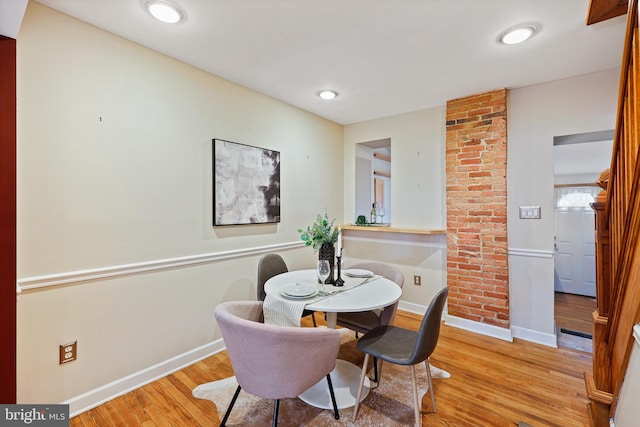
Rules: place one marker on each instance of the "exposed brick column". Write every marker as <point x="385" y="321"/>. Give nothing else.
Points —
<point x="477" y="270"/>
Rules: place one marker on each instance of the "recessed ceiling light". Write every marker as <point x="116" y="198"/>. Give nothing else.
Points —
<point x="164" y="11"/>
<point x="327" y="94"/>
<point x="517" y="34"/>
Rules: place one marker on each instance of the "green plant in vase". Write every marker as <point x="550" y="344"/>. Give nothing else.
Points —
<point x="320" y="232"/>
<point x="322" y="236"/>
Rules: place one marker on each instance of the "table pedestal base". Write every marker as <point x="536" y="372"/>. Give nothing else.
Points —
<point x="345" y="379"/>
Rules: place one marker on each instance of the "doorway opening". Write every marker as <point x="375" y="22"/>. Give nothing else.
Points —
<point x="373" y="181"/>
<point x="578" y="161"/>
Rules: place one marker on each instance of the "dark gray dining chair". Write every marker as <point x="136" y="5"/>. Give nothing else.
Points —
<point x="271" y="265"/>
<point x="405" y="347"/>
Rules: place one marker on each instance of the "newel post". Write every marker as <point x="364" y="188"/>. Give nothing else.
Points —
<point x="598" y="383"/>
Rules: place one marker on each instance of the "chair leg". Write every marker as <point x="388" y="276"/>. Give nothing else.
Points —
<point x="433" y="396"/>
<point x="233" y="401"/>
<point x="276" y="407"/>
<point x="359" y="396"/>
<point x="416" y="401"/>
<point x="336" y="414"/>
<point x="379" y="368"/>
<point x="375" y="370"/>
<point x="313" y="317"/>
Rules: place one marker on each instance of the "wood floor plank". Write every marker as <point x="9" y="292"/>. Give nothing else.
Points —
<point x="574" y="312"/>
<point x="131" y="403"/>
<point x="183" y="398"/>
<point x="171" y="409"/>
<point x="493" y="383"/>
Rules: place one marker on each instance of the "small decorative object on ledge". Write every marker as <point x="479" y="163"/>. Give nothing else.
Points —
<point x="322" y="236"/>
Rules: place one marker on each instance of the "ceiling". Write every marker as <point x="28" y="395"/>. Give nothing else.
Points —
<point x="384" y="57"/>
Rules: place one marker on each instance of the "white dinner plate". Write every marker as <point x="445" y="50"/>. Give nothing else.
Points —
<point x="300" y="291"/>
<point x="355" y="272"/>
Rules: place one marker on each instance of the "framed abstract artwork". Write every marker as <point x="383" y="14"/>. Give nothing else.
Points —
<point x="246" y="184"/>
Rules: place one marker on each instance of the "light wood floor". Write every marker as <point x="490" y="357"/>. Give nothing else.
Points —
<point x="574" y="312"/>
<point x="493" y="383"/>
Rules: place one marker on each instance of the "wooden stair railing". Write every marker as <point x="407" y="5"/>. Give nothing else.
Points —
<point x="617" y="249"/>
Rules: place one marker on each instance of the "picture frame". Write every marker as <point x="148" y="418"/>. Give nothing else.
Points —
<point x="246" y="184"/>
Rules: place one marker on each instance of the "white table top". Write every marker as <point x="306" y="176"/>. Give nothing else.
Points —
<point x="375" y="294"/>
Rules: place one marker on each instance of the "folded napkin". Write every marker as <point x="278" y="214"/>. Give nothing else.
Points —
<point x="281" y="312"/>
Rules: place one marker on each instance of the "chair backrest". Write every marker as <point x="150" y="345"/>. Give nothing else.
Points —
<point x="269" y="265"/>
<point x="385" y="270"/>
<point x="430" y="328"/>
<point x="390" y="272"/>
<point x="274" y="362"/>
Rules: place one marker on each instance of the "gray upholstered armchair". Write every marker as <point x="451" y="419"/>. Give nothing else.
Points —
<point x="364" y="321"/>
<point x="275" y="362"/>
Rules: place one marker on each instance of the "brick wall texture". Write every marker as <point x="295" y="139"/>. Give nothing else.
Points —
<point x="476" y="150"/>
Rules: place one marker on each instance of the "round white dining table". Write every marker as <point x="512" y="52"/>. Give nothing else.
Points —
<point x="377" y="293"/>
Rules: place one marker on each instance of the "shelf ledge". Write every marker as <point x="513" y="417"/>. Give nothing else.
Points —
<point x="387" y="228"/>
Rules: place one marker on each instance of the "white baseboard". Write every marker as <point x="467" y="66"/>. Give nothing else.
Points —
<point x="107" y="392"/>
<point x="411" y="307"/>
<point x="479" y="328"/>
<point x="550" y="340"/>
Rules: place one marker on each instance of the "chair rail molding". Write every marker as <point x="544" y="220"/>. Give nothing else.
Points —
<point x="531" y="253"/>
<point x="28" y="284"/>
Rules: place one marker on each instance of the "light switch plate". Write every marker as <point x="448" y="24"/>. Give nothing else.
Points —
<point x="529" y="212"/>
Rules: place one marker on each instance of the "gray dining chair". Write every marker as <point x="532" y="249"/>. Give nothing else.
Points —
<point x="275" y="362"/>
<point x="271" y="265"/>
<point x="405" y="347"/>
<point x="363" y="321"/>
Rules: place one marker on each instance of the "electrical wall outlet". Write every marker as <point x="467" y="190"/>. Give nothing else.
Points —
<point x="68" y="352"/>
<point x="417" y="280"/>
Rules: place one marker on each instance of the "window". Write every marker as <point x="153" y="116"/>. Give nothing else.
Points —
<point x="575" y="197"/>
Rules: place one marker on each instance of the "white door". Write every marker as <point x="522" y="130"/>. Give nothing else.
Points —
<point x="575" y="270"/>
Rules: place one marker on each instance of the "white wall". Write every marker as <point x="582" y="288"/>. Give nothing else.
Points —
<point x="583" y="178"/>
<point x="417" y="200"/>
<point x="114" y="205"/>
<point x="417" y="165"/>
<point x="536" y="114"/>
<point x="627" y="410"/>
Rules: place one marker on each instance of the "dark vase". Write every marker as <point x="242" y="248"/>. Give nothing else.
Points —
<point x="328" y="251"/>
